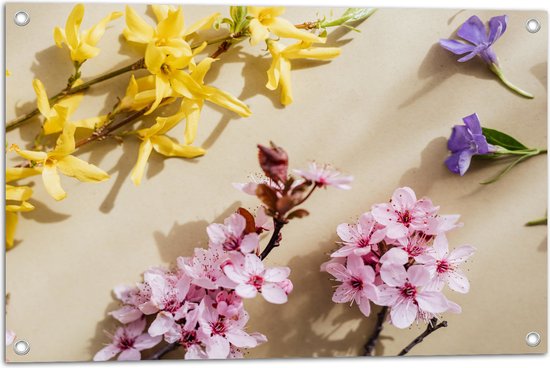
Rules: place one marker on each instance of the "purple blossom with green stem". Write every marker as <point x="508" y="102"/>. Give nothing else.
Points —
<point x="471" y="139"/>
<point x="479" y="43"/>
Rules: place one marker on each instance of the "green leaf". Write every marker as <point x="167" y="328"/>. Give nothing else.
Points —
<point x="351" y="15"/>
<point x="503" y="140"/>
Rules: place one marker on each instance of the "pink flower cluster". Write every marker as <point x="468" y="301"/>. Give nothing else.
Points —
<point x="199" y="304"/>
<point x="397" y="255"/>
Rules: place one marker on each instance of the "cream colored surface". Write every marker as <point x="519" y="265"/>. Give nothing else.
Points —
<point x="381" y="111"/>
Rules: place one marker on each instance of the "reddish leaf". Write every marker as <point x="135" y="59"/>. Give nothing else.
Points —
<point x="299" y="213"/>
<point x="267" y="196"/>
<point x="250" y="222"/>
<point x="274" y="162"/>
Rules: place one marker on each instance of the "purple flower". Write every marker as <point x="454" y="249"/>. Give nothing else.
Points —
<point x="466" y="141"/>
<point x="473" y="31"/>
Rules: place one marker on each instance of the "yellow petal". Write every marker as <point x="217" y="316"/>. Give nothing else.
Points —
<point x="154" y="58"/>
<point x="41" y="97"/>
<point x="21" y="193"/>
<point x="162" y="90"/>
<point x="172" y="26"/>
<point x="57" y="120"/>
<point x="84" y="52"/>
<point x="283" y="28"/>
<point x="144" y="151"/>
<point x="81" y="170"/>
<point x="91" y="123"/>
<point x="202" y="24"/>
<point x="94" y="34"/>
<point x="52" y="182"/>
<point x="29" y="155"/>
<point x="71" y="102"/>
<point x="17" y="173"/>
<point x="192" y="110"/>
<point x="169" y="147"/>
<point x="65" y="144"/>
<point x="72" y="26"/>
<point x="137" y="30"/>
<point x="11" y="225"/>
<point x="319" y="53"/>
<point x="258" y="32"/>
<point x="199" y="72"/>
<point x="23" y="207"/>
<point x="226" y="100"/>
<point x="161" y="11"/>
<point x="185" y="85"/>
<point x="59" y="36"/>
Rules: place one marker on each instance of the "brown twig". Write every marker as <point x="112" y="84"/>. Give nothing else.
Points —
<point x="275" y="238"/>
<point x="431" y="328"/>
<point x="162" y="352"/>
<point x="373" y="339"/>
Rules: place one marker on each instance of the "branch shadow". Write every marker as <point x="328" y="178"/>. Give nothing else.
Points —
<point x="431" y="168"/>
<point x="310" y="304"/>
<point x="440" y="65"/>
<point x="540" y="71"/>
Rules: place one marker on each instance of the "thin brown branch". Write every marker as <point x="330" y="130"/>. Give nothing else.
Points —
<point x="431" y="328"/>
<point x="373" y="339"/>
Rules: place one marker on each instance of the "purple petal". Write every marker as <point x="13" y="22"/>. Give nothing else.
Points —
<point x="456" y="47"/>
<point x="460" y="139"/>
<point x="473" y="30"/>
<point x="481" y="144"/>
<point x="489" y="56"/>
<point x="497" y="27"/>
<point x="470" y="56"/>
<point x="459" y="162"/>
<point x="472" y="122"/>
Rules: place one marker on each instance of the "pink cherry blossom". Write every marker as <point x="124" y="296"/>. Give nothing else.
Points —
<point x="262" y="221"/>
<point x="416" y="246"/>
<point x="325" y="176"/>
<point x="444" y="266"/>
<point x="357" y="283"/>
<point x="230" y="236"/>
<point x="219" y="333"/>
<point x="128" y="340"/>
<point x="252" y="278"/>
<point x="359" y="238"/>
<point x="405" y="214"/>
<point x="205" y="268"/>
<point x="404" y="292"/>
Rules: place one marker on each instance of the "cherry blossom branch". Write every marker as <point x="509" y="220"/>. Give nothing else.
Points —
<point x="162" y="352"/>
<point x="431" y="328"/>
<point x="373" y="339"/>
<point x="275" y="238"/>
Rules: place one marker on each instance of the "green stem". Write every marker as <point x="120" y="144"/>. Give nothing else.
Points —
<point x="527" y="154"/>
<point x="542" y="221"/>
<point x="496" y="69"/>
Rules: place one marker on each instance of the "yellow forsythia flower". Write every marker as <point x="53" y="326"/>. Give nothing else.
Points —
<point x="82" y="44"/>
<point x="16" y="200"/>
<point x="169" y="33"/>
<point x="279" y="72"/>
<point x="140" y="93"/>
<point x="192" y="107"/>
<point x="155" y="138"/>
<point x="8" y="73"/>
<point x="60" y="158"/>
<point x="266" y="19"/>
<point x="57" y="116"/>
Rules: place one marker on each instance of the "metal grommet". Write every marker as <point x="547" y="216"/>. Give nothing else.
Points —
<point x="21" y="347"/>
<point x="532" y="339"/>
<point x="21" y="18"/>
<point x="532" y="25"/>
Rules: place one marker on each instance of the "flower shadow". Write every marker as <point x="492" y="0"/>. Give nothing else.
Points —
<point x="440" y="65"/>
<point x="320" y="328"/>
<point x="431" y="169"/>
<point x="540" y="71"/>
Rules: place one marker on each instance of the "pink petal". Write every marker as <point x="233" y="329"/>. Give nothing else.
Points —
<point x="126" y="314"/>
<point x="130" y="354"/>
<point x="393" y="275"/>
<point x="248" y="188"/>
<point x="387" y="295"/>
<point x="461" y="254"/>
<point x="273" y="293"/>
<point x="10" y="337"/>
<point x="403" y="199"/>
<point x="345" y="251"/>
<point x="355" y="264"/>
<point x="135" y="328"/>
<point x="216" y="233"/>
<point x="396" y="256"/>
<point x="338" y="270"/>
<point x="364" y="306"/>
<point x="246" y="291"/>
<point x="454" y="308"/>
<point x="345" y="232"/>
<point x="276" y="274"/>
<point x="234" y="274"/>
<point x="195" y="352"/>
<point x="343" y="294"/>
<point x="106" y="353"/>
<point x="441" y="246"/>
<point x="235" y="224"/>
<point x="458" y="281"/>
<point x="250" y="243"/>
<point x="241" y="339"/>
<point x="396" y="230"/>
<point x="432" y="301"/>
<point x="146" y="341"/>
<point x="418" y="275"/>
<point x="217" y="347"/>
<point x="384" y="214"/>
<point x="253" y="265"/>
<point x="148" y="308"/>
<point x="162" y="324"/>
<point x="403" y="314"/>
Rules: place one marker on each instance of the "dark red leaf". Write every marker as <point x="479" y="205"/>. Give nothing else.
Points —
<point x="274" y="162"/>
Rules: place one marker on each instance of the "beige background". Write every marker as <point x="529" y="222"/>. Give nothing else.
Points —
<point x="381" y="111"/>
